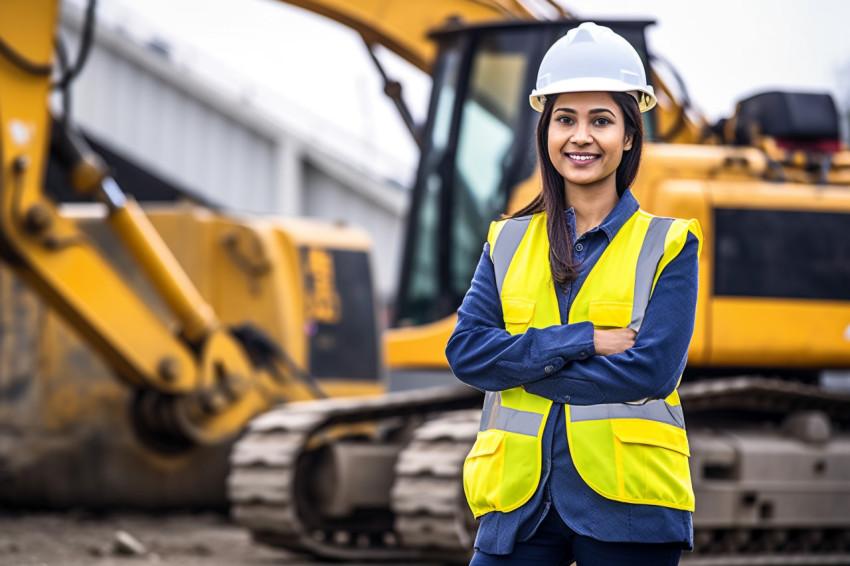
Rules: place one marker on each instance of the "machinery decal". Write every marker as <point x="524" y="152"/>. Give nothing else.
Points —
<point x="322" y="302"/>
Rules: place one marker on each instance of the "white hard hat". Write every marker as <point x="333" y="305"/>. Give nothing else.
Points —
<point x="592" y="58"/>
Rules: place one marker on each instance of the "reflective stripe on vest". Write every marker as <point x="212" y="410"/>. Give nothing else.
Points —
<point x="506" y="245"/>
<point x="658" y="410"/>
<point x="530" y="301"/>
<point x="495" y="416"/>
<point x="650" y="254"/>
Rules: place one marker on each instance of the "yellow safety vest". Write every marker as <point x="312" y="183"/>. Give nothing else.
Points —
<point x="631" y="452"/>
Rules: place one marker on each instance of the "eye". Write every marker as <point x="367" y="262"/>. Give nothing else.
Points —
<point x="602" y="121"/>
<point x="566" y="120"/>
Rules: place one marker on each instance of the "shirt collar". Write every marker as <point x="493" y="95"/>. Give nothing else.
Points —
<point x="624" y="209"/>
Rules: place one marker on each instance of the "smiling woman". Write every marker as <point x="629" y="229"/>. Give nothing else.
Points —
<point x="587" y="138"/>
<point x="593" y="144"/>
<point x="582" y="453"/>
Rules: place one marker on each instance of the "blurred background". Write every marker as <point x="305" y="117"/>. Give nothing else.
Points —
<point x="152" y="357"/>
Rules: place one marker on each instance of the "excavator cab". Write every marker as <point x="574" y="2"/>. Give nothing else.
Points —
<point x="478" y="155"/>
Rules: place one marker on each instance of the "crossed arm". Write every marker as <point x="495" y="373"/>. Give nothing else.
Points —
<point x="575" y="363"/>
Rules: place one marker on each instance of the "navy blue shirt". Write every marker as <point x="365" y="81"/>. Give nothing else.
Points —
<point x="482" y="354"/>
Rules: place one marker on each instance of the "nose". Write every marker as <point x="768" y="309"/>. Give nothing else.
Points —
<point x="581" y="135"/>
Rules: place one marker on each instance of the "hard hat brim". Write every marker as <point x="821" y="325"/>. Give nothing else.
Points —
<point x="644" y="95"/>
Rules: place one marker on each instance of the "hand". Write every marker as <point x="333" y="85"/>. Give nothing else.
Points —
<point x="614" y="341"/>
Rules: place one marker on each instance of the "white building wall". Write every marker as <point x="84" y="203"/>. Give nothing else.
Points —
<point x="326" y="197"/>
<point x="201" y="133"/>
<point x="137" y="101"/>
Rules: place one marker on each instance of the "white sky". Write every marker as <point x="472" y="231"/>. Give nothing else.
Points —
<point x="724" y="50"/>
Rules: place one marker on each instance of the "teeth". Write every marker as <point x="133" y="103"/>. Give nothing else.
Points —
<point x="582" y="157"/>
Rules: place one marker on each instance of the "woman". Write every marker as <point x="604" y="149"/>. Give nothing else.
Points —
<point x="577" y="325"/>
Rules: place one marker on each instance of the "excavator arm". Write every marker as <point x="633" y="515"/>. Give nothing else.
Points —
<point x="201" y="367"/>
<point x="404" y="27"/>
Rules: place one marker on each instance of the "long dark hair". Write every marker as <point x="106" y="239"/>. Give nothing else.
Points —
<point x="551" y="197"/>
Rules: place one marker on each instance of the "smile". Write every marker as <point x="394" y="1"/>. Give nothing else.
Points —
<point x="583" y="157"/>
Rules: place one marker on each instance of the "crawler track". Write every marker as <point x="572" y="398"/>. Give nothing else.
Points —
<point x="768" y="461"/>
<point x="271" y="466"/>
<point x="260" y="485"/>
<point x="431" y="513"/>
<point x="763" y="395"/>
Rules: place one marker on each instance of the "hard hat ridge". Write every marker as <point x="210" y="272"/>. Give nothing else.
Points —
<point x="582" y="34"/>
<point x="592" y="58"/>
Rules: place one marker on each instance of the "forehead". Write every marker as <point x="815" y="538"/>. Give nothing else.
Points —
<point x="586" y="100"/>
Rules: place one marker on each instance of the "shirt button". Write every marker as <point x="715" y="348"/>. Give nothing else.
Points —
<point x="579" y="247"/>
<point x="582" y="354"/>
<point x="566" y="399"/>
<point x="549" y="369"/>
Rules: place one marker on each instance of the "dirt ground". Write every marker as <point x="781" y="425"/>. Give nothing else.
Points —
<point x="82" y="539"/>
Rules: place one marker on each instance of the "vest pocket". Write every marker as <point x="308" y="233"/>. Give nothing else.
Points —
<point x="483" y="471"/>
<point x="518" y="313"/>
<point x="609" y="314"/>
<point x="486" y="482"/>
<point x="653" y="460"/>
<point x="651" y="433"/>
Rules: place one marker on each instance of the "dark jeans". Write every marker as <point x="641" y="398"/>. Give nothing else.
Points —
<point x="554" y="544"/>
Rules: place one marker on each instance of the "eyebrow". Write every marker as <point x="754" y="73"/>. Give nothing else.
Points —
<point x="594" y="111"/>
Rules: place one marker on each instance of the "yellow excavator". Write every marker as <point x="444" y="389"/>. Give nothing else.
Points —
<point x="155" y="337"/>
<point x="137" y="344"/>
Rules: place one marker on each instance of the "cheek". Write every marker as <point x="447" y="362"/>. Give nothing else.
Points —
<point x="555" y="142"/>
<point x="617" y="143"/>
<point x="554" y="152"/>
<point x="554" y="149"/>
<point x="617" y="153"/>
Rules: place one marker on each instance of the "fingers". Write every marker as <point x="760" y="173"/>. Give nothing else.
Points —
<point x="613" y="341"/>
<point x="628" y="337"/>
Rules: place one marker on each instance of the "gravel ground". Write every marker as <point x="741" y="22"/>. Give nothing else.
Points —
<point x="82" y="539"/>
<point x="207" y="539"/>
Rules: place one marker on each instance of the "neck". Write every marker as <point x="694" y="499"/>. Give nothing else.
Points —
<point x="591" y="204"/>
